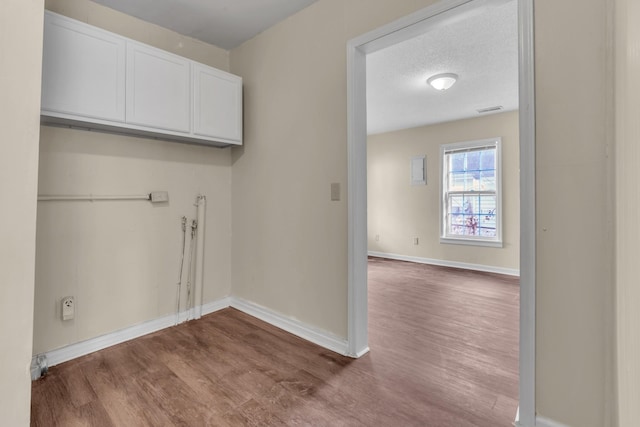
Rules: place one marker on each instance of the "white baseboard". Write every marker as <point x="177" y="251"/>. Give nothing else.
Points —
<point x="307" y="332"/>
<point x="540" y="422"/>
<point x="82" y="348"/>
<point x="546" y="422"/>
<point x="359" y="354"/>
<point x="317" y="336"/>
<point x="444" y="263"/>
<point x="212" y="307"/>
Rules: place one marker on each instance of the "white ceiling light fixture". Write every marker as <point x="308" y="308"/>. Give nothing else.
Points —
<point x="442" y="81"/>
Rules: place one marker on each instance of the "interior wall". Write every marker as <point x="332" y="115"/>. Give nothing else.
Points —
<point x="628" y="208"/>
<point x="290" y="241"/>
<point x="574" y="308"/>
<point x="121" y="259"/>
<point x="20" y="117"/>
<point x="398" y="211"/>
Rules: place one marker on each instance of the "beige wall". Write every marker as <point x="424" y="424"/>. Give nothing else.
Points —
<point x="290" y="241"/>
<point x="628" y="208"/>
<point x="121" y="259"/>
<point x="398" y="212"/>
<point x="21" y="21"/>
<point x="574" y="273"/>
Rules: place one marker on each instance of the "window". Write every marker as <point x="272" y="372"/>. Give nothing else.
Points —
<point x="471" y="193"/>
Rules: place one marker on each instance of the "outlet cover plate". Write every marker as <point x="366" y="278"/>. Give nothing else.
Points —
<point x="68" y="308"/>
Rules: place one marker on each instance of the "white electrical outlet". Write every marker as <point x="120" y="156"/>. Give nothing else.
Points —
<point x="68" y="308"/>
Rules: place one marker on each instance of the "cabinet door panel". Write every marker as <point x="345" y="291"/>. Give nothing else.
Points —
<point x="217" y="104"/>
<point x="158" y="89"/>
<point x="83" y="70"/>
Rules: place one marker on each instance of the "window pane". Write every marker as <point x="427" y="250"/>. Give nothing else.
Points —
<point x="473" y="160"/>
<point x="462" y="219"/>
<point x="470" y="170"/>
<point x="488" y="159"/>
<point x="487" y="219"/>
<point x="460" y="181"/>
<point x="488" y="180"/>
<point x="455" y="223"/>
<point x="472" y="215"/>
<point x="457" y="162"/>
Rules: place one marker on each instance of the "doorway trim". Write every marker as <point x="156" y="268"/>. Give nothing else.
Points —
<point x="390" y="34"/>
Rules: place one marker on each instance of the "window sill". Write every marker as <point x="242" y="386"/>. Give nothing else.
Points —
<point x="472" y="242"/>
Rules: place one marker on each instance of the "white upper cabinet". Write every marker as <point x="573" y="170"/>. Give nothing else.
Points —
<point x="83" y="70"/>
<point x="217" y="104"/>
<point x="98" y="80"/>
<point x="158" y="88"/>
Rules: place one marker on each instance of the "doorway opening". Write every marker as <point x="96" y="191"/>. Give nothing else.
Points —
<point x="408" y="28"/>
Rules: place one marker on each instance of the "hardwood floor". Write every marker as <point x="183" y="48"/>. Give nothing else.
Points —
<point x="444" y="346"/>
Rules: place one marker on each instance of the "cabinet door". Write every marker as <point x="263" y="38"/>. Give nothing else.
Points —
<point x="217" y="109"/>
<point x="158" y="89"/>
<point x="83" y="71"/>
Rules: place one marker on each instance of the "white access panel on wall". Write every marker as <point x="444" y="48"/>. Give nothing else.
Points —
<point x="217" y="104"/>
<point x="419" y="170"/>
<point x="158" y="88"/>
<point x="83" y="70"/>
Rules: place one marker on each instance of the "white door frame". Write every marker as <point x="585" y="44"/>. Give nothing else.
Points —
<point x="387" y="35"/>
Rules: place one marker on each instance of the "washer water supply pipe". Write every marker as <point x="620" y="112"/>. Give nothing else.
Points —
<point x="179" y="284"/>
<point x="195" y="264"/>
<point x="191" y="271"/>
<point x="201" y="203"/>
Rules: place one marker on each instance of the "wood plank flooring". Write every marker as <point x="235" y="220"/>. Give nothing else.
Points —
<point x="444" y="352"/>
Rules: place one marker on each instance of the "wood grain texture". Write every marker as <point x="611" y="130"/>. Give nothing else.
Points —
<point x="444" y="352"/>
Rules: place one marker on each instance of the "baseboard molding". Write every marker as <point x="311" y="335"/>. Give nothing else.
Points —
<point x="359" y="354"/>
<point x="72" y="351"/>
<point x="295" y="327"/>
<point x="444" y="263"/>
<point x="212" y="307"/>
<point x="307" y="332"/>
<point x="546" y="422"/>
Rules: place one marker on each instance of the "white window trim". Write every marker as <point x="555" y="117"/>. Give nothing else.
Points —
<point x="472" y="240"/>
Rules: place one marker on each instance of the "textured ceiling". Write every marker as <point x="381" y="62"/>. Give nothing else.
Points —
<point x="481" y="47"/>
<point x="223" y="23"/>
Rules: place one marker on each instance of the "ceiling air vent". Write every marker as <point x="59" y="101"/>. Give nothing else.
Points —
<point x="489" y="109"/>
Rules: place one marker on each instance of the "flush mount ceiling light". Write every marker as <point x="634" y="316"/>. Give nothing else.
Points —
<point x="442" y="81"/>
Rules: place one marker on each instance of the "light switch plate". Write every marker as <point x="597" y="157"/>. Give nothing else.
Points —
<point x="335" y="191"/>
